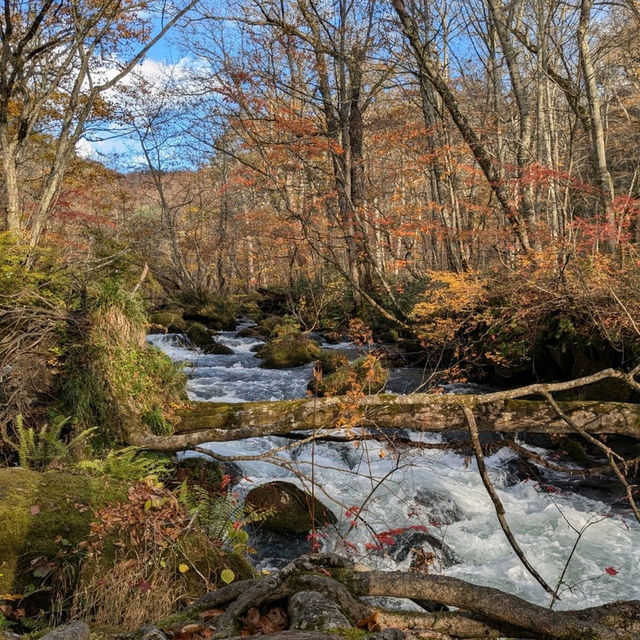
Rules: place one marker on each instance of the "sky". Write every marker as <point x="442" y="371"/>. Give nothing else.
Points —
<point x="115" y="147"/>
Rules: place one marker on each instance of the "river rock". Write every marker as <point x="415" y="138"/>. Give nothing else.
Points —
<point x="289" y="508"/>
<point x="249" y="332"/>
<point x="290" y="350"/>
<point x="72" y="631"/>
<point x="313" y="611"/>
<point x="200" y="337"/>
<point x="441" y="506"/>
<point x="424" y="543"/>
<point x="150" y="632"/>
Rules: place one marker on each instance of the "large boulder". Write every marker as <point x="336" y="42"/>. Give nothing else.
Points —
<point x="43" y="517"/>
<point x="366" y="373"/>
<point x="201" y="338"/>
<point x="169" y="321"/>
<point x="313" y="611"/>
<point x="216" y="316"/>
<point x="290" y="350"/>
<point x="288" y="509"/>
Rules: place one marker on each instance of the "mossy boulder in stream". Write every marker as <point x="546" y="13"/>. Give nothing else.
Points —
<point x="291" y="350"/>
<point x="216" y="315"/>
<point x="288" y="508"/>
<point x="45" y="516"/>
<point x="201" y="338"/>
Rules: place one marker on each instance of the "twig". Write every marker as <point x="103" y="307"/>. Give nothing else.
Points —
<point x="500" y="512"/>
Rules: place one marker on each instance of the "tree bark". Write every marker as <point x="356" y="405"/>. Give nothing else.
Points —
<point x="503" y="411"/>
<point x="482" y="611"/>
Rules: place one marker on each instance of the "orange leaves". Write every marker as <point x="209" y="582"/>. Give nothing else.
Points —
<point x="273" y="619"/>
<point x="152" y="515"/>
<point x="370" y="623"/>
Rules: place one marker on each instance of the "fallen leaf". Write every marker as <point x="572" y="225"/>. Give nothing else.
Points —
<point x="190" y="629"/>
<point x="370" y="623"/>
<point x="210" y="613"/>
<point x="35" y="510"/>
<point x="611" y="571"/>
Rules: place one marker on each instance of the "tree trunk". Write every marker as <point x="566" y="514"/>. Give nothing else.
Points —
<point x="197" y="423"/>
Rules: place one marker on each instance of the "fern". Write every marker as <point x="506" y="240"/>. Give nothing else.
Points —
<point x="129" y="464"/>
<point x="39" y="449"/>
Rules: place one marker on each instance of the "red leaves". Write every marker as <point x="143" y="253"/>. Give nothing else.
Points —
<point x="611" y="571"/>
<point x="389" y="538"/>
<point x="225" y="481"/>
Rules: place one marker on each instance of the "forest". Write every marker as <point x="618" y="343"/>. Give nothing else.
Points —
<point x="319" y="318"/>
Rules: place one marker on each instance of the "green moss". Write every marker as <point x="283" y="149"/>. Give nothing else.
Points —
<point x="350" y="633"/>
<point x="224" y="415"/>
<point x="331" y="360"/>
<point x="172" y="321"/>
<point x="267" y="325"/>
<point x="175" y="620"/>
<point x="45" y="515"/>
<point x="201" y="338"/>
<point x="575" y="451"/>
<point x="290" y="350"/>
<point x="199" y="335"/>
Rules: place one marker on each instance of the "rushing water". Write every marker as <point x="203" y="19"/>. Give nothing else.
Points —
<point x="418" y="488"/>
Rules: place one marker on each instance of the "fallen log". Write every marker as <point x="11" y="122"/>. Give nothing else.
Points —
<point x="196" y="423"/>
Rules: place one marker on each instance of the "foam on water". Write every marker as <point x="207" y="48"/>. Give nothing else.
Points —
<point x="425" y="487"/>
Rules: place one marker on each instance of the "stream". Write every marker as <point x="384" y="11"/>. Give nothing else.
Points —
<point x="433" y="499"/>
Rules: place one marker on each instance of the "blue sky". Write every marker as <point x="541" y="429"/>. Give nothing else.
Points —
<point x="113" y="146"/>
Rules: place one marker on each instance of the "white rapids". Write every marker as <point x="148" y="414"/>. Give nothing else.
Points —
<point x="426" y="488"/>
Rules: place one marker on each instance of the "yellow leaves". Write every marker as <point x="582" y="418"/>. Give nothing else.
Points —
<point x="448" y="298"/>
<point x="227" y="576"/>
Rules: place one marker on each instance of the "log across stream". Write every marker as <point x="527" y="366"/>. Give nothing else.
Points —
<point x="416" y="486"/>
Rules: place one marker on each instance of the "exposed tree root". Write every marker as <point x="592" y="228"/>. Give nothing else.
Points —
<point x="482" y="612"/>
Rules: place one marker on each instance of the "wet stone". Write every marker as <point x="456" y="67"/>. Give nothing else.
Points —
<point x="312" y="611"/>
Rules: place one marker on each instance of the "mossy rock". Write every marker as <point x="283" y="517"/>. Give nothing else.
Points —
<point x="366" y="373"/>
<point x="290" y="350"/>
<point x="331" y="360"/>
<point x="45" y="515"/>
<point x="170" y="320"/>
<point x="217" y="316"/>
<point x="249" y="332"/>
<point x="391" y="336"/>
<point x="218" y="349"/>
<point x="288" y="508"/>
<point x="201" y="338"/>
<point x="266" y="326"/>
<point x="285" y="327"/>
